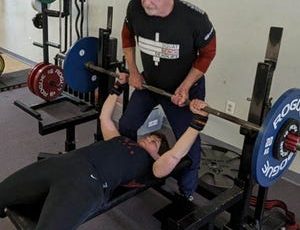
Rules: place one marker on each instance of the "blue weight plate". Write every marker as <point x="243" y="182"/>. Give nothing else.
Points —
<point x="75" y="73"/>
<point x="266" y="169"/>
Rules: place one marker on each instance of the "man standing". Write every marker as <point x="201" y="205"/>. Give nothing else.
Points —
<point x="177" y="43"/>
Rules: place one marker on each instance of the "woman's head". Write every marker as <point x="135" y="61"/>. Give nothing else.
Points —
<point x="155" y="143"/>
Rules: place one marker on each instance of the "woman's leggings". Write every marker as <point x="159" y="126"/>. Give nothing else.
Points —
<point x="68" y="185"/>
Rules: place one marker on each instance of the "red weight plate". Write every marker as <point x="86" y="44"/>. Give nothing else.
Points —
<point x="30" y="82"/>
<point x="31" y="75"/>
<point x="49" y="82"/>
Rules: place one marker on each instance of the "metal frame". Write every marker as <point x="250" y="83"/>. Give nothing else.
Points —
<point x="92" y="111"/>
<point x="69" y="124"/>
<point x="236" y="200"/>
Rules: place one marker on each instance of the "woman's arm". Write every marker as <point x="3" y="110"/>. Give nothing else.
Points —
<point x="167" y="162"/>
<point x="108" y="127"/>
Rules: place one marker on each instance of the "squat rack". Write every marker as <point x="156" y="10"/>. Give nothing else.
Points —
<point x="235" y="200"/>
<point x="88" y="109"/>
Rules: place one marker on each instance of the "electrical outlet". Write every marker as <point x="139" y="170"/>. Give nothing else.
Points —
<point x="230" y="107"/>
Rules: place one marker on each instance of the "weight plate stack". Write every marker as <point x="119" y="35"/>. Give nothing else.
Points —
<point x="219" y="166"/>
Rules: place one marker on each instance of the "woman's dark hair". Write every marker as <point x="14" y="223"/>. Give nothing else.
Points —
<point x="164" y="146"/>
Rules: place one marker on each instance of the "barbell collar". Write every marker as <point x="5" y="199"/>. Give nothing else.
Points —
<point x="61" y="56"/>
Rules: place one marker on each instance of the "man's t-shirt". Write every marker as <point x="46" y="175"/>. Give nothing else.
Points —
<point x="169" y="45"/>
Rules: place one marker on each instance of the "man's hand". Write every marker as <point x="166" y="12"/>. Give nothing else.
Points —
<point x="180" y="96"/>
<point x="136" y="80"/>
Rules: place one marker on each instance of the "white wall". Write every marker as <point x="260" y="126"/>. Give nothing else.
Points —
<point x="242" y="31"/>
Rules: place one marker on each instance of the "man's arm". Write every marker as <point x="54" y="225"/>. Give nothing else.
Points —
<point x="167" y="162"/>
<point x="136" y="79"/>
<point x="128" y="43"/>
<point x="200" y="66"/>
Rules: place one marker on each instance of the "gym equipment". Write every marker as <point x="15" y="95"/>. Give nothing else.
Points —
<point x="41" y="22"/>
<point x="47" y="1"/>
<point x="219" y="166"/>
<point x="2" y="65"/>
<point x="38" y="21"/>
<point x="286" y="141"/>
<point x="267" y="165"/>
<point x="49" y="82"/>
<point x="32" y="74"/>
<point x="79" y="64"/>
<point x="46" y="81"/>
<point x="76" y="75"/>
<point x="79" y="70"/>
<point x="11" y="79"/>
<point x="235" y="199"/>
<point x="37" y="5"/>
<point x="267" y="169"/>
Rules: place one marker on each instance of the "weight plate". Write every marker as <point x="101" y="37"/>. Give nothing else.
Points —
<point x="31" y="75"/>
<point x="76" y="74"/>
<point x="37" y="5"/>
<point x="219" y="166"/>
<point x="2" y="65"/>
<point x="49" y="82"/>
<point x="266" y="169"/>
<point x="38" y="21"/>
<point x="47" y="1"/>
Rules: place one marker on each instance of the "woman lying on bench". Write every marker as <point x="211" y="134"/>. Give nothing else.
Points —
<point x="76" y="184"/>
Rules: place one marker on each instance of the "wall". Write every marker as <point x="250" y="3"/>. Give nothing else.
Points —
<point x="242" y="30"/>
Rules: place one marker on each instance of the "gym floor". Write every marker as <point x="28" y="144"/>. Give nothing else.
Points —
<point x="20" y="144"/>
